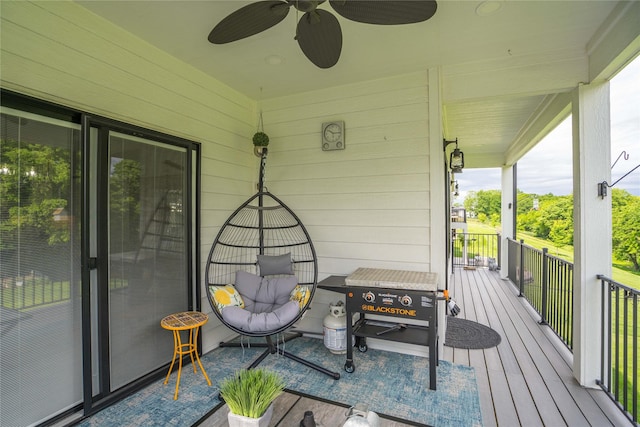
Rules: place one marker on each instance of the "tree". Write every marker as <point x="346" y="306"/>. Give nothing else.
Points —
<point x="124" y="204"/>
<point x="484" y="203"/>
<point x="35" y="184"/>
<point x="525" y="202"/>
<point x="626" y="227"/>
<point x="620" y="198"/>
<point x="528" y="213"/>
<point x="555" y="221"/>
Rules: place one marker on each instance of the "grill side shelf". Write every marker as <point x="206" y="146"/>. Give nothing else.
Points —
<point x="411" y="334"/>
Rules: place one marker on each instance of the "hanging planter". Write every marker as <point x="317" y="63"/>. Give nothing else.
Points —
<point x="260" y="139"/>
<point x="260" y="142"/>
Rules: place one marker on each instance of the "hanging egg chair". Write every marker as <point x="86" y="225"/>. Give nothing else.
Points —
<point x="262" y="271"/>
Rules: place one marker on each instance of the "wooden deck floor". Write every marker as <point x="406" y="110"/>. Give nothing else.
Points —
<point x="527" y="379"/>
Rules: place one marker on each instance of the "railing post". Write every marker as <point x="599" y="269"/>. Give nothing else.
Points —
<point x="545" y="285"/>
<point x="499" y="251"/>
<point x="453" y="251"/>
<point x="602" y="381"/>
<point x="521" y="278"/>
<point x="634" y="334"/>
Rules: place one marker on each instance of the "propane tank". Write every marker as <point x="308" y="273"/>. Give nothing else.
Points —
<point x="335" y="328"/>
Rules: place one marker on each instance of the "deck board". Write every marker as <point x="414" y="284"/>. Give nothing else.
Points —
<point x="477" y="360"/>
<point x="521" y="366"/>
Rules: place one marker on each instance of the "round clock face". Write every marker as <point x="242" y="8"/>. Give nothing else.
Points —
<point x="332" y="132"/>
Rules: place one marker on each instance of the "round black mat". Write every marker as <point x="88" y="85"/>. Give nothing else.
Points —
<point x="463" y="333"/>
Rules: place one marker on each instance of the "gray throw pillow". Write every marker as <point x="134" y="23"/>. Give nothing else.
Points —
<point x="247" y="284"/>
<point x="275" y="264"/>
<point x="262" y="294"/>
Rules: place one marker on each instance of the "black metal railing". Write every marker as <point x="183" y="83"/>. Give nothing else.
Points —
<point x="619" y="374"/>
<point x="32" y="290"/>
<point x="546" y="282"/>
<point x="475" y="250"/>
<point x="36" y="289"/>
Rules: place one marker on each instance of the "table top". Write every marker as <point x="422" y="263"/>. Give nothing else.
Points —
<point x="184" y="320"/>
<point x="393" y="279"/>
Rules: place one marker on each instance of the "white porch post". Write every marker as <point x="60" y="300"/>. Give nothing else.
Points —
<point x="437" y="196"/>
<point x="592" y="224"/>
<point x="508" y="205"/>
<point x="438" y="210"/>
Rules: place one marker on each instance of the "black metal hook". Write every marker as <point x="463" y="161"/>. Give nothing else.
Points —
<point x="623" y="153"/>
<point x="602" y="186"/>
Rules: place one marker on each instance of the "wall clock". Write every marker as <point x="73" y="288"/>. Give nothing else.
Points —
<point x="333" y="136"/>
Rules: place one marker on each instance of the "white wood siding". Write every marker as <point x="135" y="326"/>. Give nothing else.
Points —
<point x="367" y="205"/>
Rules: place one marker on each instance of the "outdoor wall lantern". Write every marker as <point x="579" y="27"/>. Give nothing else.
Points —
<point x="456" y="158"/>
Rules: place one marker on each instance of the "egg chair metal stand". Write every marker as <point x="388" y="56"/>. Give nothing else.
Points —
<point x="264" y="226"/>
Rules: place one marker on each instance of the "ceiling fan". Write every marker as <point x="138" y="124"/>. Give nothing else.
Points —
<point x="318" y="32"/>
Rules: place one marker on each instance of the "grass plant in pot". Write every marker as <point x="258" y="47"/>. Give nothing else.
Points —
<point x="249" y="394"/>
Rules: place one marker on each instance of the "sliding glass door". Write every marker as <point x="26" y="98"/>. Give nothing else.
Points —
<point x="98" y="242"/>
<point x="40" y="288"/>
<point x="149" y="243"/>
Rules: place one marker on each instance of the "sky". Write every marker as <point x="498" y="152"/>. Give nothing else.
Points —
<point x="553" y="154"/>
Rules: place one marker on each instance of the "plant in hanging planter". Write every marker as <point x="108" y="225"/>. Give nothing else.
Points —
<point x="260" y="142"/>
<point x="250" y="394"/>
<point x="260" y="139"/>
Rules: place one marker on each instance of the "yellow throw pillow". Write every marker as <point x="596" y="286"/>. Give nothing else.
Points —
<point x="225" y="296"/>
<point x="301" y="293"/>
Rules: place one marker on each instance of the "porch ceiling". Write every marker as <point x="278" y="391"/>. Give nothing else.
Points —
<point x="498" y="70"/>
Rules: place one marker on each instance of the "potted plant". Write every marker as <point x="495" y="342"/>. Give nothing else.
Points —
<point x="260" y="141"/>
<point x="249" y="394"/>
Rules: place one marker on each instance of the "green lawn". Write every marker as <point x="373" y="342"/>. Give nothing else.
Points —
<point x="621" y="272"/>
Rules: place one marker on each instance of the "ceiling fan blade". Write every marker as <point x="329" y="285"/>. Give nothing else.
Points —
<point x="385" y="12"/>
<point x="249" y="20"/>
<point x="320" y="38"/>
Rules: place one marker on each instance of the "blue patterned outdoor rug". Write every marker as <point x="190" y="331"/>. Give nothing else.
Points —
<point x="390" y="384"/>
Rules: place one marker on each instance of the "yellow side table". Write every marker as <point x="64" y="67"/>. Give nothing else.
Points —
<point x="185" y="321"/>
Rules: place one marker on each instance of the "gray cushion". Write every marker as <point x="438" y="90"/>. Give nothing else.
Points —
<point x="261" y="294"/>
<point x="278" y="264"/>
<point x="247" y="321"/>
<point x="247" y="283"/>
<point x="267" y="303"/>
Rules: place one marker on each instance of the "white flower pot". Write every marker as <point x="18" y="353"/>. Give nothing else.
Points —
<point x="240" y="421"/>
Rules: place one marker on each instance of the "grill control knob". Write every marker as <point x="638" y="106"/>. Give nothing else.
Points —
<point x="369" y="297"/>
<point x="406" y="300"/>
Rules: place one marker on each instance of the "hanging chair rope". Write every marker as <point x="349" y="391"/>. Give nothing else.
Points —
<point x="263" y="168"/>
<point x="260" y="123"/>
